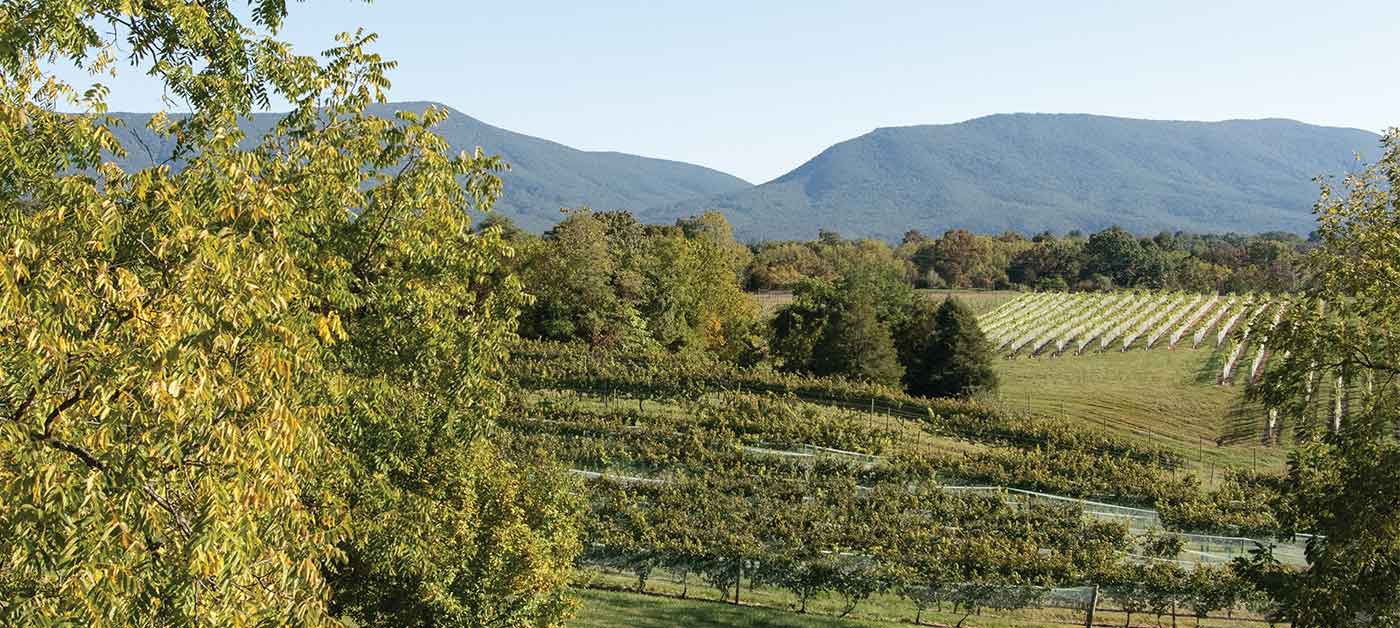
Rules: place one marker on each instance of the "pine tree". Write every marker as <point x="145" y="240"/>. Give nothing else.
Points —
<point x="912" y="340"/>
<point x="859" y="346"/>
<point x="958" y="360"/>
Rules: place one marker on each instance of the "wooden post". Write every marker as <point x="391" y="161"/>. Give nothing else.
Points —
<point x="1093" y="605"/>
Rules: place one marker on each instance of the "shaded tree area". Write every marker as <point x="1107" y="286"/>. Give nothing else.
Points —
<point x="869" y="325"/>
<point x="609" y="280"/>
<point x="256" y="389"/>
<point x="955" y="360"/>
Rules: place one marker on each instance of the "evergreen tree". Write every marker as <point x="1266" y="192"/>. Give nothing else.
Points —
<point x="958" y="359"/>
<point x="857" y="345"/>
<point x="912" y="341"/>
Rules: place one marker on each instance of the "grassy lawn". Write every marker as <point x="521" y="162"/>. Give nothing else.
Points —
<point x="1166" y="397"/>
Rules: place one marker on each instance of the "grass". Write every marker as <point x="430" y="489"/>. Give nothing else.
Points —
<point x="604" y="604"/>
<point x="615" y="609"/>
<point x="1166" y="397"/>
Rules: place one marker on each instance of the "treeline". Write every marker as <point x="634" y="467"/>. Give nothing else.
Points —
<point x="609" y="280"/>
<point x="1108" y="259"/>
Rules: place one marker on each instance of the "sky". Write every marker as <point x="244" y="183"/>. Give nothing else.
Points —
<point x="755" y="88"/>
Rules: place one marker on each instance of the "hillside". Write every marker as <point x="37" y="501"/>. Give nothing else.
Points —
<point x="544" y="175"/>
<point x="1033" y="172"/>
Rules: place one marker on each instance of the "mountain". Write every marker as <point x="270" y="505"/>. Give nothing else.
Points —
<point x="544" y="175"/>
<point x="1035" y="172"/>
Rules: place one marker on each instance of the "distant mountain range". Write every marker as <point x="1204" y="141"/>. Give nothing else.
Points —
<point x="1020" y="172"/>
<point x="1034" y="172"/>
<point x="544" y="176"/>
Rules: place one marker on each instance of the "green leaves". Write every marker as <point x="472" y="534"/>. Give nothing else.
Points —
<point x="224" y="380"/>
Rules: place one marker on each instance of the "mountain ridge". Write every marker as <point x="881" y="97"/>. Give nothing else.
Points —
<point x="1030" y="172"/>
<point x="1025" y="172"/>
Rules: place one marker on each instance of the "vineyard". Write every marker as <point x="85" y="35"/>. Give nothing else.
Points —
<point x="1144" y="358"/>
<point x="1059" y="323"/>
<point x="801" y="490"/>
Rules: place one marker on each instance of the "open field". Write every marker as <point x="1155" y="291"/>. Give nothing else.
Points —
<point x="1168" y="398"/>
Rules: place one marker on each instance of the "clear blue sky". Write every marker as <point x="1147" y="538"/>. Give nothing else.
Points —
<point x="757" y="87"/>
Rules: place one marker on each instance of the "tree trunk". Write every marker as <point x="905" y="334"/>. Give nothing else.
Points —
<point x="738" y="579"/>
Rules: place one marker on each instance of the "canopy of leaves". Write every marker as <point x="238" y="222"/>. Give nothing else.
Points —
<point x="235" y="393"/>
<point x="1342" y="483"/>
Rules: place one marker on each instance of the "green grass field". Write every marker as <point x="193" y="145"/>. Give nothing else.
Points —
<point x="1166" y="397"/>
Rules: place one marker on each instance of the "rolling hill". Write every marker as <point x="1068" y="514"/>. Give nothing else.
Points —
<point x="544" y="175"/>
<point x="1034" y="172"/>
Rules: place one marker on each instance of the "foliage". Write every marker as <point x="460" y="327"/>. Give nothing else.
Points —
<point x="245" y="389"/>
<point x="1344" y="491"/>
<point x="607" y="279"/>
<point x="957" y="361"/>
<point x="1109" y="259"/>
<point x="1341" y="483"/>
<point x="858" y="346"/>
<point x="1344" y="320"/>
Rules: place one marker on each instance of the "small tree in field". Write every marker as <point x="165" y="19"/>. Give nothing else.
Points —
<point x="958" y="359"/>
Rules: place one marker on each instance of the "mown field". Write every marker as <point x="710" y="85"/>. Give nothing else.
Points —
<point x="1168" y="398"/>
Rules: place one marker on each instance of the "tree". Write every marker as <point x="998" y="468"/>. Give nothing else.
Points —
<point x="1346" y="491"/>
<point x="238" y="391"/>
<point x="913" y="342"/>
<point x="1116" y="254"/>
<point x="855" y="344"/>
<point x="1342" y="482"/>
<point x="571" y="271"/>
<point x="958" y="358"/>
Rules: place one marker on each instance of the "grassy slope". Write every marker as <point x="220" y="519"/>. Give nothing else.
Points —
<point x="1167" y="397"/>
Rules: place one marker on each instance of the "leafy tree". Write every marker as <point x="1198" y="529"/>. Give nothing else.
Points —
<point x="1049" y="263"/>
<point x="958" y="358"/>
<point x="855" y="344"/>
<point x="571" y="272"/>
<point x="1342" y="483"/>
<point x="1116" y="254"/>
<point x="1343" y="490"/>
<point x="962" y="259"/>
<point x="252" y="389"/>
